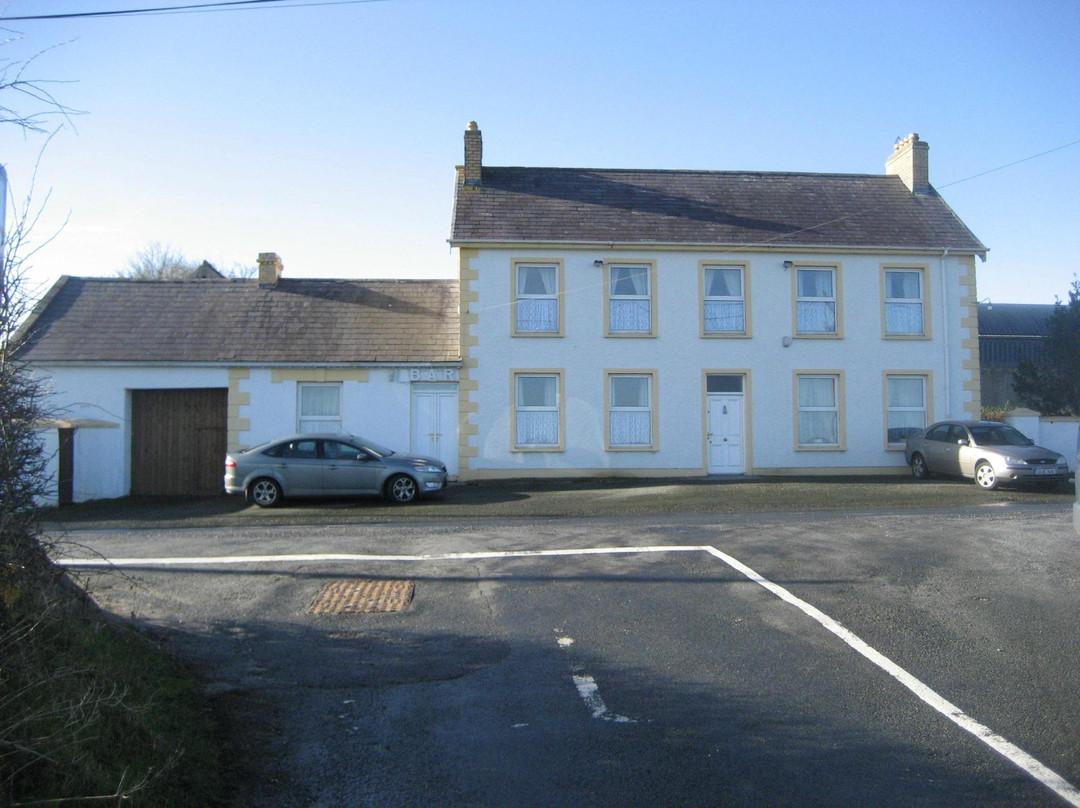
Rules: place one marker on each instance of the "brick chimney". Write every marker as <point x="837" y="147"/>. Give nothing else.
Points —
<point x="474" y="155"/>
<point x="269" y="270"/>
<point x="911" y="161"/>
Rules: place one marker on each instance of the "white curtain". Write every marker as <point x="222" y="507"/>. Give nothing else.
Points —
<point x="903" y="318"/>
<point x="537" y="305"/>
<point x="630" y="419"/>
<point x="907" y="407"/>
<point x="537" y="417"/>
<point x="723" y="282"/>
<point x="537" y="428"/>
<point x="819" y="421"/>
<point x="320" y="408"/>
<point x="724" y="315"/>
<point x="812" y="317"/>
<point x="815" y="316"/>
<point x="903" y="303"/>
<point x="629" y="314"/>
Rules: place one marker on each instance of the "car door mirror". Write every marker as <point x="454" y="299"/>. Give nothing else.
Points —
<point x="963" y="442"/>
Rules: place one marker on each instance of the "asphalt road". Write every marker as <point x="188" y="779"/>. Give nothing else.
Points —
<point x="868" y="659"/>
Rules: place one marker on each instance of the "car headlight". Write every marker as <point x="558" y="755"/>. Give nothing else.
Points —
<point x="1014" y="461"/>
<point x="429" y="469"/>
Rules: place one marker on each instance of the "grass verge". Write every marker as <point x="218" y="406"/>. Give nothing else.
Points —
<point x="93" y="713"/>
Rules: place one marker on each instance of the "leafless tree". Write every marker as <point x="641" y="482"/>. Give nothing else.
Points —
<point x="163" y="262"/>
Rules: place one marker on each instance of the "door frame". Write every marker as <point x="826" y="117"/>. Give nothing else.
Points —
<point x="747" y="444"/>
<point x="447" y="391"/>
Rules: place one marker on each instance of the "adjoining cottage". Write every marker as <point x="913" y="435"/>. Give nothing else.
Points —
<point x="153" y="381"/>
<point x="648" y="322"/>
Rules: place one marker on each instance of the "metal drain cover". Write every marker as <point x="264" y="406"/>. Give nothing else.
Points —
<point x="357" y="597"/>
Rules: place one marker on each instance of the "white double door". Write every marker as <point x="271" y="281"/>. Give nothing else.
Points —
<point x="435" y="423"/>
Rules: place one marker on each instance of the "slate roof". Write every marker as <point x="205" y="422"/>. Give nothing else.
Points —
<point x="236" y="321"/>
<point x="727" y="208"/>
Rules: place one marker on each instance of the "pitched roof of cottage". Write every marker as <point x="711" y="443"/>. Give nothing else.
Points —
<point x="722" y="208"/>
<point x="238" y="321"/>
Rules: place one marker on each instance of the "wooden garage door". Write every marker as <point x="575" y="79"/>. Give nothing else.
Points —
<point x="178" y="441"/>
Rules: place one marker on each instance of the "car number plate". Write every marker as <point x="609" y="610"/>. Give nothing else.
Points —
<point x="1045" y="471"/>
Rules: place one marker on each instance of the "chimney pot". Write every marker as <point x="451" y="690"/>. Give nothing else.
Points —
<point x="474" y="155"/>
<point x="269" y="269"/>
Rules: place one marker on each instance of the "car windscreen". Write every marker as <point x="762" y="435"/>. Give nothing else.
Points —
<point x="374" y="448"/>
<point x="1002" y="435"/>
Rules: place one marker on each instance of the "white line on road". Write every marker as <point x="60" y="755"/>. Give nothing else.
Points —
<point x="587" y="687"/>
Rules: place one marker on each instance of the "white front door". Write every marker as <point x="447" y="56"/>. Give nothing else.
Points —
<point x="724" y="435"/>
<point x="434" y="423"/>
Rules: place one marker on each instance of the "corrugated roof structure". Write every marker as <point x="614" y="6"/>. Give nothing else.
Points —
<point x="295" y="321"/>
<point x="1010" y="332"/>
<point x="707" y="208"/>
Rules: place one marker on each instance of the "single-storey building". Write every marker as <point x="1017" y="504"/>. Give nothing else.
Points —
<point x="153" y="381"/>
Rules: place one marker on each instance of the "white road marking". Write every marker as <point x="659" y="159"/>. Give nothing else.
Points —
<point x="205" y="561"/>
<point x="587" y="687"/>
<point x="590" y="694"/>
<point x="1052" y="780"/>
<point x="590" y="691"/>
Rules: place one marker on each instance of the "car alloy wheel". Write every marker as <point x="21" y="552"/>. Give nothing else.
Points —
<point x="265" y="493"/>
<point x="402" y="489"/>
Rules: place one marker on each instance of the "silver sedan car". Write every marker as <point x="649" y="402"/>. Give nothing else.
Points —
<point x="989" y="452"/>
<point x="329" y="465"/>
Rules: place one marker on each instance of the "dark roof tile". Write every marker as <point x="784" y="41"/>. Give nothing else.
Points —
<point x="298" y="321"/>
<point x="725" y="208"/>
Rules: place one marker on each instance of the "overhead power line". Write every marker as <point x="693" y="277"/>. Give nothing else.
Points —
<point x="222" y="5"/>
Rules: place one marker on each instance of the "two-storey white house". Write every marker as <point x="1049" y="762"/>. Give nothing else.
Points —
<point x="646" y="322"/>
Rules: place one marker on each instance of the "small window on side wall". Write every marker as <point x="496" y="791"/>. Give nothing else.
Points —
<point x="319" y="408"/>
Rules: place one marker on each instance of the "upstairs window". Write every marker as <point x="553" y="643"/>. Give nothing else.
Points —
<point x="724" y="305"/>
<point x="629" y="291"/>
<point x="816" y="301"/>
<point x="319" y="408"/>
<point x="536" y="299"/>
<point x="904" y="316"/>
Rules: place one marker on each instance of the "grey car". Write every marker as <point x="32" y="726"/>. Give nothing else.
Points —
<point x="989" y="452"/>
<point x="329" y="465"/>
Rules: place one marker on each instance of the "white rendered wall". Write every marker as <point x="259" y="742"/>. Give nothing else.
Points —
<point x="376" y="407"/>
<point x="102" y="455"/>
<point x="679" y="354"/>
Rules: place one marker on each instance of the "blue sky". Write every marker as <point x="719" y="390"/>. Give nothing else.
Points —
<point x="329" y="133"/>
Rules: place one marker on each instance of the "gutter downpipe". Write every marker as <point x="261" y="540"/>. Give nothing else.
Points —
<point x="946" y="336"/>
